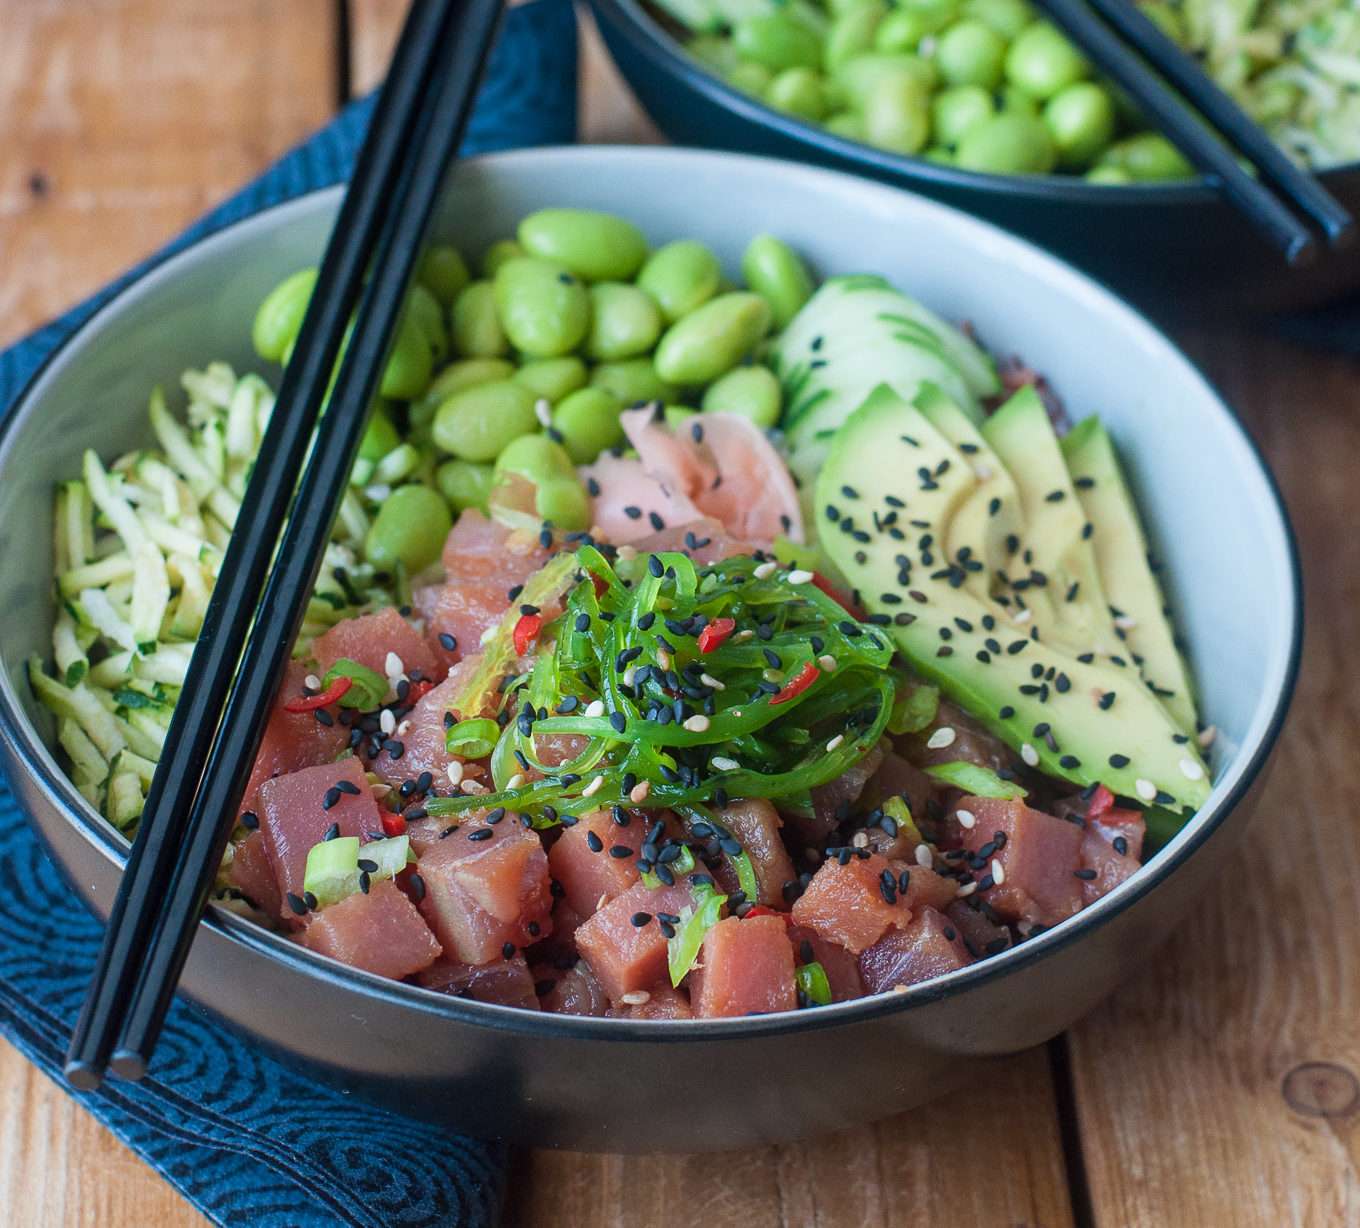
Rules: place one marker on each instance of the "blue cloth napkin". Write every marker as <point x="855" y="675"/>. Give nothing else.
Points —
<point x="248" y="1141"/>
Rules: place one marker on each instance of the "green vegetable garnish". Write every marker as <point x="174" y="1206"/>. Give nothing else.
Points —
<point x="368" y="687"/>
<point x="335" y="867"/>
<point x="896" y="808"/>
<point x="683" y="949"/>
<point x="975" y="780"/>
<point x="915" y="708"/>
<point x="812" y="983"/>
<point x="681" y="866"/>
<point x="472" y="739"/>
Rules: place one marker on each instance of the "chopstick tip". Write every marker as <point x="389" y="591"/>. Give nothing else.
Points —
<point x="127" y="1064"/>
<point x="83" y="1076"/>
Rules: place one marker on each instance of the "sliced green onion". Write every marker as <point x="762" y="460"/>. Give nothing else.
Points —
<point x="812" y="983"/>
<point x="899" y="812"/>
<point x="682" y="865"/>
<point x="334" y="867"/>
<point x="746" y="874"/>
<point x="975" y="780"/>
<point x="683" y="949"/>
<point x="473" y="739"/>
<point x="368" y="686"/>
<point x="915" y="708"/>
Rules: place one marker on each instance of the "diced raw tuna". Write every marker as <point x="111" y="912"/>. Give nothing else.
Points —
<point x="897" y="777"/>
<point x="482" y="549"/>
<point x="370" y="638"/>
<point x="294" y="817"/>
<point x="745" y="968"/>
<point x="380" y="932"/>
<point x="929" y="947"/>
<point x="293" y="740"/>
<point x="464" y="609"/>
<point x="559" y="948"/>
<point x="252" y="874"/>
<point x="842" y="968"/>
<point x="483" y="895"/>
<point x="663" y="1002"/>
<point x="573" y="992"/>
<point x="624" y="956"/>
<point x="506" y="982"/>
<point x="846" y="904"/>
<point x="1039" y="859"/>
<point x="980" y="935"/>
<point x="423" y="745"/>
<point x="1100" y="854"/>
<point x="833" y="802"/>
<point x="555" y="749"/>
<point x="755" y="823"/>
<point x="971" y="744"/>
<point x="704" y="540"/>
<point x="582" y="860"/>
<point x="925" y="888"/>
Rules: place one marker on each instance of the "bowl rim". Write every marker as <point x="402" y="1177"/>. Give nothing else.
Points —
<point x="28" y="748"/>
<point x="652" y="40"/>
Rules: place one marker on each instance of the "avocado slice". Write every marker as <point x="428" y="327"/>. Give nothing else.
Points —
<point x="1079" y="717"/>
<point x="1137" y="604"/>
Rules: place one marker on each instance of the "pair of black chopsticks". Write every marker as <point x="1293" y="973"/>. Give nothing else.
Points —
<point x="195" y="797"/>
<point x="1217" y="156"/>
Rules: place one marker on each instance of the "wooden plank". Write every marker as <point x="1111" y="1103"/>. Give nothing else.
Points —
<point x="902" y="1173"/>
<point x="1221" y="1087"/>
<point x="120" y="123"/>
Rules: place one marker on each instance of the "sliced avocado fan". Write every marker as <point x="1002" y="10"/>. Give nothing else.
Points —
<point x="892" y="488"/>
<point x="1139" y="609"/>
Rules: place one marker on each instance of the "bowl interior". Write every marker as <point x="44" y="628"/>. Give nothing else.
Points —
<point x="1212" y="514"/>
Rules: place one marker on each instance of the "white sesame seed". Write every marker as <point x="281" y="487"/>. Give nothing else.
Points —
<point x="942" y="737"/>
<point x="721" y="763"/>
<point x="1125" y="623"/>
<point x="630" y="675"/>
<point x="743" y="635"/>
<point x="595" y="708"/>
<point x="923" y="857"/>
<point x="663" y="658"/>
<point x="837" y="741"/>
<point x="1023" y="616"/>
<point x="636" y="997"/>
<point x="387" y="722"/>
<point x="860" y="839"/>
<point x="1145" y="789"/>
<point x="627" y="553"/>
<point x="899" y="988"/>
<point x="1207" y="736"/>
<point x="640" y="792"/>
<point x="403" y="728"/>
<point x="473" y="786"/>
<point x="826" y="663"/>
<point x="983" y="472"/>
<point x="515" y="781"/>
<point x="455" y="772"/>
<point x="697" y="723"/>
<point x="709" y="681"/>
<point x="764" y="570"/>
<point x="966" y="889"/>
<point x="1029" y="754"/>
<point x="595" y="785"/>
<point x="1024" y="928"/>
<point x="393" y="666"/>
<point x="1191" y="770"/>
<point x="543" y="411"/>
<point x="378" y="492"/>
<point x="312" y="682"/>
<point x="967" y="819"/>
<point x="799" y="576"/>
<point x="998" y="872"/>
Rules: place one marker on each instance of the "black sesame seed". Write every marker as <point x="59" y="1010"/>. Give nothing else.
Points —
<point x="593" y="842"/>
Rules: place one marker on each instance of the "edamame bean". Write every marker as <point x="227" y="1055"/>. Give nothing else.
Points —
<point x="497" y="254"/>
<point x="749" y="78"/>
<point x="1109" y="174"/>
<point x="713" y="339"/>
<point x="535" y="457"/>
<point x="464" y="484"/>
<point x="545" y="469"/>
<point x="680" y="276"/>
<point x="938" y="153"/>
<point x="677" y="415"/>
<point x="860" y="75"/>
<point x="410" y="364"/>
<point x="718" y="53"/>
<point x="588" y="421"/>
<point x="753" y="392"/>
<point x="1149" y="157"/>
<point x="798" y="91"/>
<point x="543" y="307"/>
<point x="466" y="374"/>
<point x="1042" y="61"/>
<point x="477" y="331"/>
<point x="380" y="435"/>
<point x="954" y="111"/>
<point x="1016" y="101"/>
<point x="424" y="309"/>
<point x="907" y="25"/>
<point x="1007" y="17"/>
<point x="1081" y="121"/>
<point x="553" y="378"/>
<point x="896" y="116"/>
<point x="594" y="246"/>
<point x="477" y="423"/>
<point x="970" y="52"/>
<point x="777" y="40"/>
<point x="409" y="529"/>
<point x="1007" y="144"/>
<point x="633" y="380"/>
<point x="564" y="504"/>
<point x="624" y="321"/>
<point x="444" y="272"/>
<point x="846" y="124"/>
<point x="852" y="33"/>
<point x="775" y="272"/>
<point x="280" y="315"/>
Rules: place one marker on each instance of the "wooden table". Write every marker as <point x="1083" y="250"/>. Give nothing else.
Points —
<point x="1216" y="1089"/>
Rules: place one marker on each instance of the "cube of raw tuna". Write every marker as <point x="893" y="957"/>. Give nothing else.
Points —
<point x="252" y="874"/>
<point x="662" y="1002"/>
<point x="745" y="968"/>
<point x="486" y="894"/>
<point x="482" y="549"/>
<point x="506" y="982"/>
<point x="1038" y="855"/>
<point x="422" y="733"/>
<point x="971" y="742"/>
<point x="929" y="947"/>
<point x="850" y="904"/>
<point x="294" y="816"/>
<point x="584" y="860"/>
<point x="625" y="956"/>
<point x="1109" y="854"/>
<point x="841" y="968"/>
<point x="981" y="935"/>
<point x="925" y="888"/>
<point x="573" y="992"/>
<point x="293" y="740"/>
<point x="379" y="932"/>
<point x="898" y="777"/>
<point x="833" y="802"/>
<point x="755" y="824"/>
<point x="371" y="639"/>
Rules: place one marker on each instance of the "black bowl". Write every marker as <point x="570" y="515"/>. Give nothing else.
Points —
<point x="1176" y="248"/>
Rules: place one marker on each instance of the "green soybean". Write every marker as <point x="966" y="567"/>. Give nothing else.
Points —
<point x="467" y="373"/>
<point x="753" y="392"/>
<point x="1109" y="174"/>
<point x="588" y="421"/>
<point x="798" y="91"/>
<point x="903" y="29"/>
<point x="677" y="415"/>
<point x="477" y="423"/>
<point x="749" y="78"/>
<point x="595" y="246"/>
<point x="558" y="495"/>
<point x="1007" y="17"/>
<point x="853" y="32"/>
<point x="444" y="272"/>
<point x="543" y="307"/>
<point x="707" y="342"/>
<point x="477" y="331"/>
<point x="896" y="115"/>
<point x="624" y="321"/>
<point x="410" y="364"/>
<point x="954" y="111"/>
<point x="970" y="52"/>
<point x="846" y="124"/>
<point x="497" y="254"/>
<point x="535" y="457"/>
<point x="280" y="315"/>
<point x="862" y="74"/>
<point x="1041" y="61"/>
<point x="563" y="503"/>
<point x="777" y="40"/>
<point x="380" y="435"/>
<point x="1149" y="157"/>
<point x="552" y="378"/>
<point x="680" y="276"/>
<point x="464" y="484"/>
<point x="424" y="309"/>
<point x="409" y="529"/>
<point x="1008" y="144"/>
<point x="632" y="380"/>
<point x="775" y="272"/>
<point x="1081" y="120"/>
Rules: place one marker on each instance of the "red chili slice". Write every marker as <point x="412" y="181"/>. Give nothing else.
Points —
<point x="526" y="631"/>
<point x="1102" y="800"/>
<point x="764" y="910"/>
<point x="601" y="586"/>
<point x="323" y="699"/>
<point x="394" y="824"/>
<point x="418" y="691"/>
<point x="821" y="582"/>
<point x="796" y="685"/>
<point x="715" y="632"/>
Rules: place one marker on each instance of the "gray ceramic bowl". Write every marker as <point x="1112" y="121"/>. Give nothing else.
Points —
<point x="591" y="1083"/>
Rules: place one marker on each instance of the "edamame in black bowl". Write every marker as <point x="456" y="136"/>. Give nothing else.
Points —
<point x="985" y="105"/>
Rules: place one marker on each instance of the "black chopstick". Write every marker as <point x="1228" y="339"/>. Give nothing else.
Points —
<point x="1183" y="128"/>
<point x="245" y="565"/>
<point x="467" y="39"/>
<point x="1186" y="74"/>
